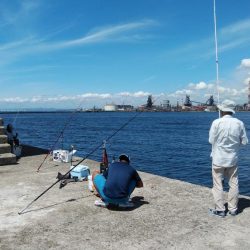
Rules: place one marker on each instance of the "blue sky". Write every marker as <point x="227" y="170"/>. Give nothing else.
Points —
<point x="71" y="53"/>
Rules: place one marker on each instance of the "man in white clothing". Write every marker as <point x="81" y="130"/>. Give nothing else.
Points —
<point x="226" y="135"/>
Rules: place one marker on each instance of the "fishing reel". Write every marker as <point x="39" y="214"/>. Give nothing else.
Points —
<point x="103" y="167"/>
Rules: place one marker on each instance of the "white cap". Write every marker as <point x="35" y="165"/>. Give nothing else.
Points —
<point x="227" y="106"/>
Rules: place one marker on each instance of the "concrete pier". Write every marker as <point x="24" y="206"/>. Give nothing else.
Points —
<point x="169" y="214"/>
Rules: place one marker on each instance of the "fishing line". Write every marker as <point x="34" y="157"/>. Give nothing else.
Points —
<point x="94" y="155"/>
<point x="95" y="149"/>
<point x="14" y="121"/>
<point x="60" y="135"/>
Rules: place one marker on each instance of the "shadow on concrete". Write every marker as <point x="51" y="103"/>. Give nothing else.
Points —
<point x="52" y="205"/>
<point x="28" y="150"/>
<point x="243" y="203"/>
<point x="137" y="200"/>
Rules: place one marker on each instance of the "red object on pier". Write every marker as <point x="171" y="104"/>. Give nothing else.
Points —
<point x="105" y="160"/>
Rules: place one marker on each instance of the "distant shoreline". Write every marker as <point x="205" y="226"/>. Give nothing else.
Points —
<point x="38" y="111"/>
<point x="103" y="111"/>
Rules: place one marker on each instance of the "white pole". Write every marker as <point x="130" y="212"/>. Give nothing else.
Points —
<point x="216" y="55"/>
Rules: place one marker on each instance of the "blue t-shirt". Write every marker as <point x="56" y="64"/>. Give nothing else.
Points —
<point x="119" y="176"/>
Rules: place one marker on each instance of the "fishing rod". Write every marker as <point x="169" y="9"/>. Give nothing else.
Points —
<point x="59" y="136"/>
<point x="216" y="55"/>
<point x="95" y="149"/>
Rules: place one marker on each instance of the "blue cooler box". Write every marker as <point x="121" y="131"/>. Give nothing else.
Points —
<point x="80" y="171"/>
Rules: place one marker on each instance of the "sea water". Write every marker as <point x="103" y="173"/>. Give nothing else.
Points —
<point x="171" y="144"/>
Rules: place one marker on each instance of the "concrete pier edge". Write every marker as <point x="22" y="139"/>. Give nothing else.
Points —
<point x="169" y="214"/>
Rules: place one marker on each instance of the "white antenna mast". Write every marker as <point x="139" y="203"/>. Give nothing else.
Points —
<point x="216" y="55"/>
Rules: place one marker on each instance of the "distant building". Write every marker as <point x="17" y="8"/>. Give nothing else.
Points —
<point x="110" y="107"/>
<point x="166" y="104"/>
<point x="187" y="102"/>
<point x="210" y="101"/>
<point x="125" y="107"/>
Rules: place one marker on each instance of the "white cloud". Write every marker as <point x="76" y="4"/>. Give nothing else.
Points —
<point x="231" y="37"/>
<point x="86" y="96"/>
<point x="200" y="86"/>
<point x="125" y="94"/>
<point x="231" y="92"/>
<point x="13" y="45"/>
<point x="181" y="93"/>
<point x="104" y="33"/>
<point x="235" y="87"/>
<point x="95" y="95"/>
<point x="201" y="91"/>
<point x="241" y="26"/>
<point x="237" y="42"/>
<point x="100" y="35"/>
<point x="14" y="100"/>
<point x="234" y="35"/>
<point x="245" y="63"/>
<point x="135" y="94"/>
<point x="140" y="94"/>
<point x="13" y="50"/>
<point x="247" y="81"/>
<point x="19" y="13"/>
<point x="133" y="98"/>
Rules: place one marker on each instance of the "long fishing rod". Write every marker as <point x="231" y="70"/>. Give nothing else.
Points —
<point x="95" y="149"/>
<point x="59" y="136"/>
<point x="216" y="55"/>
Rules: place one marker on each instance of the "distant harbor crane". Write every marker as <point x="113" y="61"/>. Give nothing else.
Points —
<point x="209" y="102"/>
<point x="187" y="102"/>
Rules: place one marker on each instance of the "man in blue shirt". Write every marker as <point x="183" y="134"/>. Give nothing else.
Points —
<point x="116" y="184"/>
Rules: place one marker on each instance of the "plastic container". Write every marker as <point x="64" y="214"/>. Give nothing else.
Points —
<point x="81" y="172"/>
